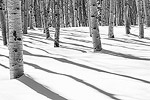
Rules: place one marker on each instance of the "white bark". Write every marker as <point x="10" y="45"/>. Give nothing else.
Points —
<point x="15" y="39"/>
<point x="94" y="25"/>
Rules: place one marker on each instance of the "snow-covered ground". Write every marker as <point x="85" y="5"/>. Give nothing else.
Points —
<point x="121" y="71"/>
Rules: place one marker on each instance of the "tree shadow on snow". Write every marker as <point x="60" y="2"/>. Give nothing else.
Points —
<point x="130" y="41"/>
<point x="76" y="79"/>
<point x="138" y="36"/>
<point x="4" y="66"/>
<point x="129" y="56"/>
<point x="84" y="66"/>
<point x="39" y="88"/>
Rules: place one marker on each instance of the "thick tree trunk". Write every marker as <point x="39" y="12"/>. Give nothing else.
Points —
<point x="147" y="12"/>
<point x="94" y="25"/>
<point x="15" y="39"/>
<point x="3" y="23"/>
<point x="57" y="24"/>
<point x="111" y="20"/>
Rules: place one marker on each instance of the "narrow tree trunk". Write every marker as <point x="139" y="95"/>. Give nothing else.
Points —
<point x="46" y="9"/>
<point x="84" y="13"/>
<point x="75" y="12"/>
<point x="37" y="14"/>
<point x="94" y="25"/>
<point x="111" y="20"/>
<point x="140" y="19"/>
<point x="89" y="18"/>
<point x="7" y="25"/>
<point x="25" y="27"/>
<point x="62" y="13"/>
<point x="72" y="13"/>
<point x="3" y="23"/>
<point x="126" y="14"/>
<point x="80" y="13"/>
<point x="31" y="14"/>
<point x="15" y="39"/>
<point x="66" y="14"/>
<point x="57" y="24"/>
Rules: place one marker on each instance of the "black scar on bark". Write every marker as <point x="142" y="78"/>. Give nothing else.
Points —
<point x="19" y="39"/>
<point x="17" y="8"/>
<point x="15" y="35"/>
<point x="15" y="50"/>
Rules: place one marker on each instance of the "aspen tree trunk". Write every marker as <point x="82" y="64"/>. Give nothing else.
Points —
<point x="42" y="14"/>
<point x="146" y="11"/>
<point x="94" y="25"/>
<point x="126" y="14"/>
<point x="46" y="9"/>
<point x="3" y="23"/>
<point x="62" y="13"/>
<point x="80" y="12"/>
<point x="25" y="25"/>
<point x="15" y="39"/>
<point x="7" y="25"/>
<point x="66" y="14"/>
<point x="72" y="13"/>
<point x="89" y="18"/>
<point x="84" y="13"/>
<point x="37" y="14"/>
<point x="111" y="20"/>
<point x="75" y="12"/>
<point x="57" y="24"/>
<point x="140" y="19"/>
<point x="52" y="13"/>
<point x="103" y="13"/>
<point x="31" y="14"/>
<point x="22" y="13"/>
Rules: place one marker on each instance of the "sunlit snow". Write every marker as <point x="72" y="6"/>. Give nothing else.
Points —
<point x="121" y="71"/>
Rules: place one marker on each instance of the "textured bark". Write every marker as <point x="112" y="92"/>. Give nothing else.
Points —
<point x="57" y="24"/>
<point x="62" y="13"/>
<point x="46" y="9"/>
<point x="94" y="25"/>
<point x="37" y="14"/>
<point x="15" y="39"/>
<point x="7" y="25"/>
<point x="111" y="20"/>
<point x="25" y="17"/>
<point x="89" y="18"/>
<point x="105" y="12"/>
<point x="75" y="12"/>
<point x="3" y="23"/>
<point x="147" y="12"/>
<point x="67" y="24"/>
<point x="80" y="12"/>
<point x="52" y="13"/>
<point x="140" y="19"/>
<point x="84" y="13"/>
<point x="127" y="23"/>
<point x="72" y="14"/>
<point x="31" y="14"/>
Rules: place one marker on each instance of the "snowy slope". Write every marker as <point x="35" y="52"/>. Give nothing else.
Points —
<point x="73" y="72"/>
